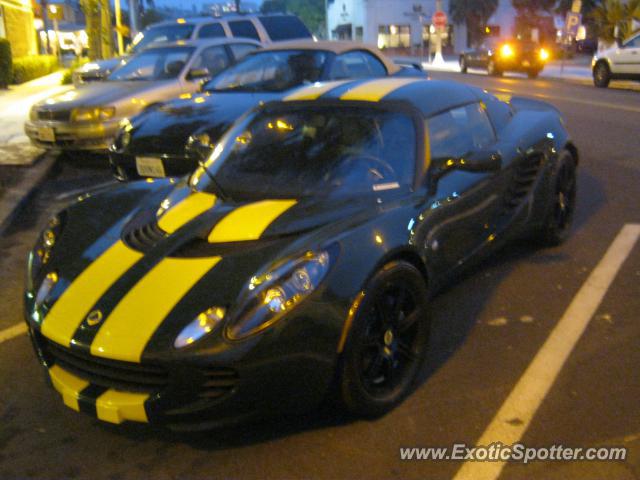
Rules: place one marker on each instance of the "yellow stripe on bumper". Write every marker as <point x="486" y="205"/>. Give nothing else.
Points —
<point x="73" y="305"/>
<point x="115" y="406"/>
<point x="68" y="385"/>
<point x="127" y="330"/>
<point x="375" y="90"/>
<point x="249" y="222"/>
<point x="313" y="92"/>
<point x="186" y="210"/>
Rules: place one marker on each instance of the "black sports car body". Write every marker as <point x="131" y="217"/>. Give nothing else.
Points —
<point x="170" y="139"/>
<point x="298" y="259"/>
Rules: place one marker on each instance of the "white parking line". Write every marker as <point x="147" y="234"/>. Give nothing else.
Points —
<point x="515" y="414"/>
<point x="11" y="332"/>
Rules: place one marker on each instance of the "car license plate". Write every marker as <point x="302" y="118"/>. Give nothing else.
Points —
<point x="46" y="134"/>
<point x="150" y="166"/>
<point x="525" y="63"/>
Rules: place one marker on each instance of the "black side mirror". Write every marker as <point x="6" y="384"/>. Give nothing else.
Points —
<point x="198" y="74"/>
<point x="478" y="161"/>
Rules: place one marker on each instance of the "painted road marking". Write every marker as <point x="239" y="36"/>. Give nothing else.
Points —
<point x="12" y="332"/>
<point x="525" y="398"/>
<point x="591" y="103"/>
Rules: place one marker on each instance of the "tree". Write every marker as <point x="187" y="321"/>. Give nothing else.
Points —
<point x="614" y="19"/>
<point x="474" y="14"/>
<point x="311" y="12"/>
<point x="531" y="15"/>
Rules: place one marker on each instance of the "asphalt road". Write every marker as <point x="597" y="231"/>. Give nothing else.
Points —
<point x="487" y="331"/>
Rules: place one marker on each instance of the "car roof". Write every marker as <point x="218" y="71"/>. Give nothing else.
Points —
<point x="202" y="42"/>
<point x="336" y="47"/>
<point x="428" y="96"/>
<point x="217" y="18"/>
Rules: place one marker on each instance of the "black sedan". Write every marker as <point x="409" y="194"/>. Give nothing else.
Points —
<point x="299" y="260"/>
<point x="498" y="56"/>
<point x="170" y="139"/>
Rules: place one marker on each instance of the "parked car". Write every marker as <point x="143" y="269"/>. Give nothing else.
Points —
<point x="620" y="62"/>
<point x="87" y="118"/>
<point x="171" y="139"/>
<point x="498" y="56"/>
<point x="296" y="263"/>
<point x="263" y="28"/>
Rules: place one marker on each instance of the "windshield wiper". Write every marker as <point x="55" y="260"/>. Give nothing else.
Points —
<point x="217" y="189"/>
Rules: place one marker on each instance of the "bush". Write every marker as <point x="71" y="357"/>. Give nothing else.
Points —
<point x="34" y="66"/>
<point x="5" y="63"/>
<point x="67" y="76"/>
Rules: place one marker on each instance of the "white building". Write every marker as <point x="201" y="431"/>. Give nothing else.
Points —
<point x="403" y="24"/>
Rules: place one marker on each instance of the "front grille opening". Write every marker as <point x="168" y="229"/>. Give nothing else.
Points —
<point x="132" y="377"/>
<point x="218" y="382"/>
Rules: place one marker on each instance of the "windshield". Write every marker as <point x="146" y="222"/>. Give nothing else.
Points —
<point x="163" y="33"/>
<point x="273" y="71"/>
<point x="154" y="64"/>
<point x="304" y="151"/>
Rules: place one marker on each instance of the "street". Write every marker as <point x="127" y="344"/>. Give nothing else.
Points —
<point x="487" y="329"/>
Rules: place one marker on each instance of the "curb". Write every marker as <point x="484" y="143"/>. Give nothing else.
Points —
<point x="17" y="197"/>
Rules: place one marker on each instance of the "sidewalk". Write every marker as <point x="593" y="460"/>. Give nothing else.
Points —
<point x="15" y="104"/>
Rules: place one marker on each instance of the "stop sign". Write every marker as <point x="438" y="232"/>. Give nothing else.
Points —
<point x="439" y="19"/>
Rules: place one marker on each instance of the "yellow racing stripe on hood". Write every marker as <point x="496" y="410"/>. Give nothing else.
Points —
<point x="67" y="385"/>
<point x="186" y="210"/>
<point x="127" y="330"/>
<point x="249" y="221"/>
<point x="75" y="302"/>
<point x="375" y="90"/>
<point x="115" y="406"/>
<point x="312" y="92"/>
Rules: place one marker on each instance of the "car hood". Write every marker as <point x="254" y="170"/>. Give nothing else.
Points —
<point x="101" y="66"/>
<point x="108" y="93"/>
<point x="172" y="254"/>
<point x="166" y="129"/>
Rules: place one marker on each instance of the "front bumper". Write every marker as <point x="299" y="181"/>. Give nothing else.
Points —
<point x="124" y="166"/>
<point x="70" y="136"/>
<point x="520" y="63"/>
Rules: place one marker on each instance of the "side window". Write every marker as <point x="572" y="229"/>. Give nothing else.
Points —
<point x="240" y="50"/>
<point x="214" y="59"/>
<point x="244" y="28"/>
<point x="376" y="67"/>
<point x="284" y="27"/>
<point x="459" y="131"/>
<point x="213" y="30"/>
<point x="633" y="43"/>
<point x="349" y="65"/>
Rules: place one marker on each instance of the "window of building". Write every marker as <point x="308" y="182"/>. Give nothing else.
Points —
<point x="359" y="34"/>
<point x="394" y="36"/>
<point x="244" y="28"/>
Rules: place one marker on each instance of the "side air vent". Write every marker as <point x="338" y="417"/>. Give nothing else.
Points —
<point x="144" y="237"/>
<point x="524" y="176"/>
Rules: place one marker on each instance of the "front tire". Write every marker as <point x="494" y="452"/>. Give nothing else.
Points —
<point x="557" y="224"/>
<point x="387" y="342"/>
<point x="601" y="75"/>
<point x="493" y="69"/>
<point x="533" y="73"/>
<point x="463" y="65"/>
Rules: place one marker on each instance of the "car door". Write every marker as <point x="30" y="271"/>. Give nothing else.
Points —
<point x="627" y="58"/>
<point x="464" y="201"/>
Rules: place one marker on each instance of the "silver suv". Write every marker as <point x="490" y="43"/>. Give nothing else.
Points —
<point x="263" y="28"/>
<point x="620" y="62"/>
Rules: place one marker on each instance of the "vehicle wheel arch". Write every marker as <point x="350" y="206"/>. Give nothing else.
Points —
<point x="573" y="150"/>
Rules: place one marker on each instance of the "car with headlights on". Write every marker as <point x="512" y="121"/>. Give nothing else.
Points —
<point x="497" y="56"/>
<point x="171" y="139"/>
<point x="298" y="261"/>
<point x="259" y="27"/>
<point x="619" y="62"/>
<point x="88" y="117"/>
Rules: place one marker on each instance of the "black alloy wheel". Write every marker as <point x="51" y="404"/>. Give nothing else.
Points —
<point x="387" y="341"/>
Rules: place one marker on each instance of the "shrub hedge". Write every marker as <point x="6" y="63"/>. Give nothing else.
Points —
<point x="33" y="66"/>
<point x="5" y="63"/>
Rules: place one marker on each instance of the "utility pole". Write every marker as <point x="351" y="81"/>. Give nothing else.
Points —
<point x="134" y="20"/>
<point x="119" y="27"/>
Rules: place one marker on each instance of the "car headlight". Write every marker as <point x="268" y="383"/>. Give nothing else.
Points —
<point x="544" y="55"/>
<point x="203" y="324"/>
<point x="506" y="50"/>
<point x="123" y="137"/>
<point x="47" y="240"/>
<point x="92" y="114"/>
<point x="270" y="296"/>
<point x="45" y="288"/>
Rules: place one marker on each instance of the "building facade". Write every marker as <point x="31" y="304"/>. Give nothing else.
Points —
<point x="16" y="25"/>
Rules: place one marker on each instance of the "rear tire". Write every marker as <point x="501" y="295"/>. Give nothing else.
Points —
<point x="533" y="73"/>
<point x="463" y="64"/>
<point x="387" y="342"/>
<point x="601" y="75"/>
<point x="557" y="224"/>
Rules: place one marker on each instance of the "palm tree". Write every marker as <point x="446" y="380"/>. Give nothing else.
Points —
<point x="613" y="19"/>
<point x="474" y="14"/>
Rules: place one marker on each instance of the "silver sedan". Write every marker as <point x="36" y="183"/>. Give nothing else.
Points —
<point x="87" y="117"/>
